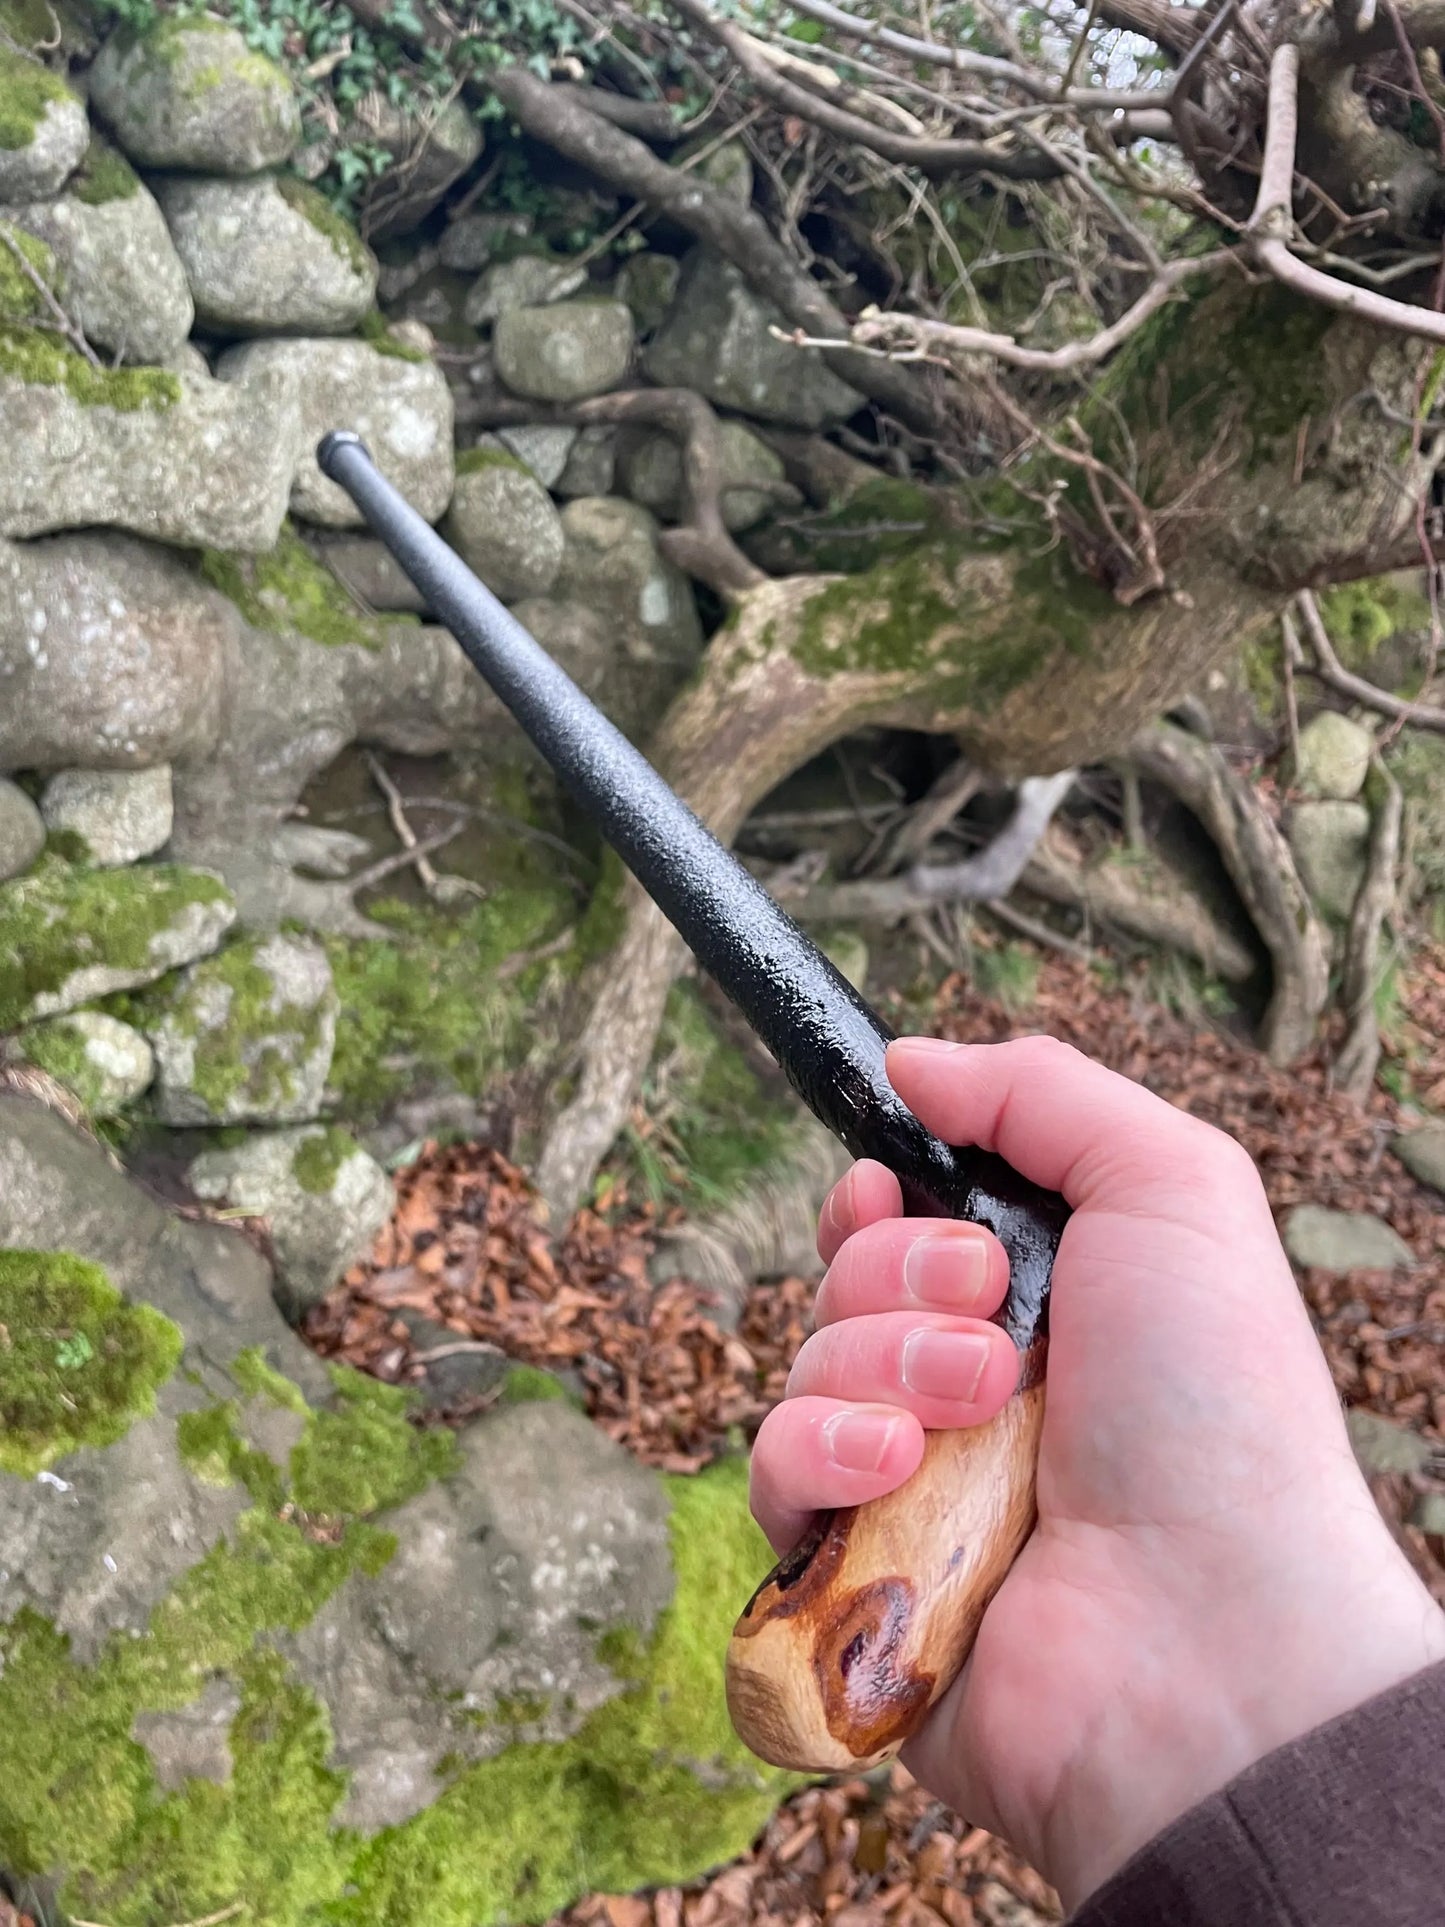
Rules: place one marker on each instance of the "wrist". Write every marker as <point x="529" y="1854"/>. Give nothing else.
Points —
<point x="1180" y="1729"/>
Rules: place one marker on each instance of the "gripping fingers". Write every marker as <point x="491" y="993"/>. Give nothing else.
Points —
<point x="901" y="1264"/>
<point x="948" y="1372"/>
<point x="815" y="1453"/>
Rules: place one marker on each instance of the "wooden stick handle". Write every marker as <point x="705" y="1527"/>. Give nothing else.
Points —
<point x="853" y="1636"/>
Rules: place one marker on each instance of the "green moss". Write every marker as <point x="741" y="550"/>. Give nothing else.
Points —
<point x="600" y="927"/>
<point x="77" y="1363"/>
<point x="19" y="296"/>
<point x="247" y="1045"/>
<point x="363" y="1454"/>
<point x="288" y="589"/>
<point x="1361" y="615"/>
<point x="320" y="1157"/>
<point x="314" y="208"/>
<point x="886" y="517"/>
<point x="377" y="333"/>
<point x="471" y="461"/>
<point x="429" y="999"/>
<point x="58" y="919"/>
<point x="530" y="1385"/>
<point x="257" y="1379"/>
<point x="61" y="1049"/>
<point x="622" y="1802"/>
<point x="45" y="361"/>
<point x="27" y="91"/>
<point x="104" y="175"/>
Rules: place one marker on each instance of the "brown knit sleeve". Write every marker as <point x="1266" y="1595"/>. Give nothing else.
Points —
<point x="1342" y="1828"/>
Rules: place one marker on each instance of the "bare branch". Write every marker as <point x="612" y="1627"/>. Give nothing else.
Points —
<point x="1331" y="670"/>
<point x="1271" y="223"/>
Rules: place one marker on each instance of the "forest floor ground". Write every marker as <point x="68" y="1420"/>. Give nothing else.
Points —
<point x="468" y="1250"/>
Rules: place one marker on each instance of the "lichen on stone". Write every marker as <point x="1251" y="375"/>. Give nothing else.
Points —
<point x="27" y="90"/>
<point x="472" y="461"/>
<point x="78" y="1364"/>
<point x="313" y="207"/>
<point x="375" y="331"/>
<point x="287" y="588"/>
<point x="45" y="361"/>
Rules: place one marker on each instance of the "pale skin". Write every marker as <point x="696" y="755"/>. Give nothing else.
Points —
<point x="1209" y="1577"/>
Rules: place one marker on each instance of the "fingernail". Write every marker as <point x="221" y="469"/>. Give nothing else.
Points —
<point x="948" y="1269"/>
<point x="941" y="1364"/>
<point x="858" y="1440"/>
<point x="932" y="1046"/>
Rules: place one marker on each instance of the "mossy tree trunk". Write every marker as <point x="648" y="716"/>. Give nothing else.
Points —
<point x="1257" y="430"/>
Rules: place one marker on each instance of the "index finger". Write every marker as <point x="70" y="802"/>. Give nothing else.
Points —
<point x="1066" y="1122"/>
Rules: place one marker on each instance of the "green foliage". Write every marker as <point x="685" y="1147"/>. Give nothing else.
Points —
<point x="77" y="1364"/>
<point x="1361" y="615"/>
<point x="58" y="919"/>
<point x="27" y="91"/>
<point x="288" y="589"/>
<point x="33" y="355"/>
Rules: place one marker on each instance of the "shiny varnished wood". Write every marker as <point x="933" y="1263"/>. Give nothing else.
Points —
<point x="854" y="1635"/>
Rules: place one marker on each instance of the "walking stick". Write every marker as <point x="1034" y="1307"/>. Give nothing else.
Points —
<point x="851" y="1638"/>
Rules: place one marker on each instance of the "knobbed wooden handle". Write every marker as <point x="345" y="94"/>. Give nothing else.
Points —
<point x="853" y="1636"/>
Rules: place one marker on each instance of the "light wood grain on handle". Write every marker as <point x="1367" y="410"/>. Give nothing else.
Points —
<point x="851" y="1638"/>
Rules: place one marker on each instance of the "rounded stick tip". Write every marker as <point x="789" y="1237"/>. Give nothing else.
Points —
<point x="331" y="446"/>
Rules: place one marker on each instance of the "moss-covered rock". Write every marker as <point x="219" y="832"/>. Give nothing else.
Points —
<point x="245" y="1036"/>
<point x="323" y="1197"/>
<point x="278" y="1644"/>
<point x="104" y="1062"/>
<point x="189" y="93"/>
<point x="78" y="1363"/>
<point x="69" y="934"/>
<point x="20" y="299"/>
<point x="288" y="588"/>
<point x="43" y="129"/>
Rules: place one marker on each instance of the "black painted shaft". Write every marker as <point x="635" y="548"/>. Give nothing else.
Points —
<point x="828" y="1040"/>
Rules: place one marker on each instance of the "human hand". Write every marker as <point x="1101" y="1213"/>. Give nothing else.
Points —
<point x="1209" y="1576"/>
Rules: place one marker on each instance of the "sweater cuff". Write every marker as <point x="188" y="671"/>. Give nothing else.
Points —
<point x="1341" y="1826"/>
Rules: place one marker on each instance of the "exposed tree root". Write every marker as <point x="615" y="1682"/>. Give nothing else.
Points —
<point x="1359" y="1054"/>
<point x="1262" y="869"/>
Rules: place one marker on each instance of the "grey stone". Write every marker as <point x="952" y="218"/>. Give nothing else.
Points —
<point x="318" y="1230"/>
<point x="191" y="94"/>
<point x="41" y="165"/>
<point x="612" y="564"/>
<point x="22" y="831"/>
<point x="112" y="655"/>
<point x="543" y="448"/>
<point x="1334" y="756"/>
<point x="717" y="340"/>
<point x="503" y="524"/>
<point x="564" y="353"/>
<point x="401" y="409"/>
<point x="499" y="1582"/>
<point x="651" y="470"/>
<point x="1422" y="1152"/>
<point x="268" y="256"/>
<point x="1343" y="1241"/>
<point x="730" y="170"/>
<point x="431" y="149"/>
<point x="116" y="1064"/>
<point x="118" y="272"/>
<point x="460" y="1376"/>
<point x="325" y="852"/>
<point x="96" y="1548"/>
<point x="648" y="282"/>
<point x="208" y="466"/>
<point x="469" y="242"/>
<point x="70" y="936"/>
<point x="369" y="570"/>
<point x="592" y="465"/>
<point x="526" y="281"/>
<point x="1330" y="841"/>
<point x="1381" y="1445"/>
<point x="259" y="1055"/>
<point x="192" y="1742"/>
<point x="123" y="814"/>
